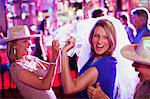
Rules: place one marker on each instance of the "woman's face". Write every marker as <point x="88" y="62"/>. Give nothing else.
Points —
<point x="23" y="47"/>
<point x="100" y="40"/>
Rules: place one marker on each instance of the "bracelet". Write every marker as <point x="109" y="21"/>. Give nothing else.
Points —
<point x="52" y="63"/>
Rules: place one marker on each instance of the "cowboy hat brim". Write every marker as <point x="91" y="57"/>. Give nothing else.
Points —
<point x="129" y="52"/>
<point x="7" y="39"/>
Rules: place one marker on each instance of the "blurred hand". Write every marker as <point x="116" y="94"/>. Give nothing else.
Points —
<point x="96" y="92"/>
<point x="55" y="50"/>
<point x="89" y="5"/>
<point x="70" y="43"/>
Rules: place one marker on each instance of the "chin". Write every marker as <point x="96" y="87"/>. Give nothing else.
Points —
<point x="99" y="52"/>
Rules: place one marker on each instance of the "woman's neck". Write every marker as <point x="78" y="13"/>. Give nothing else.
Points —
<point x="19" y="56"/>
<point x="96" y="58"/>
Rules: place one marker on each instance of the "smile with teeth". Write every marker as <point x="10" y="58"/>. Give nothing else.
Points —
<point x="99" y="46"/>
<point x="28" y="49"/>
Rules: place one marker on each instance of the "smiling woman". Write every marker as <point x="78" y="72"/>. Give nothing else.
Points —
<point x="101" y="66"/>
<point x="32" y="76"/>
<point x="22" y="47"/>
<point x="103" y="33"/>
<point x="100" y="40"/>
<point x="126" y="76"/>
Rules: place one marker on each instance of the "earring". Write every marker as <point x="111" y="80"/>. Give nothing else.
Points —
<point x="14" y="50"/>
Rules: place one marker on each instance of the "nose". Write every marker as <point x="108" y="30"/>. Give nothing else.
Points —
<point x="134" y="64"/>
<point x="29" y="42"/>
<point x="99" y="40"/>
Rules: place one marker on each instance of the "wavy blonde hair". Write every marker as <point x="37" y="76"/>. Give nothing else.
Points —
<point x="111" y="33"/>
<point x="11" y="51"/>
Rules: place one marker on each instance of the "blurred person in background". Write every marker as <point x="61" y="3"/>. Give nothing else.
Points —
<point x="40" y="50"/>
<point x="139" y="18"/>
<point x="130" y="31"/>
<point x="96" y="12"/>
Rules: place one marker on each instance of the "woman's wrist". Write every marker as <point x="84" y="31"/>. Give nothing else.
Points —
<point x="52" y="62"/>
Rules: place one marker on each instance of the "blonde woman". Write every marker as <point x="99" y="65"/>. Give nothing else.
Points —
<point x="32" y="76"/>
<point x="101" y="66"/>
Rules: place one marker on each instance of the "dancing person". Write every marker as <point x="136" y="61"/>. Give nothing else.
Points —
<point x="103" y="42"/>
<point x="124" y="76"/>
<point x="32" y="76"/>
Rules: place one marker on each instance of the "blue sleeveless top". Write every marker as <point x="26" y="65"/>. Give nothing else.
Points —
<point x="106" y="67"/>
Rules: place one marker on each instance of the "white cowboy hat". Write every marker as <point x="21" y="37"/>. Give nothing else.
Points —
<point x="138" y="52"/>
<point x="17" y="32"/>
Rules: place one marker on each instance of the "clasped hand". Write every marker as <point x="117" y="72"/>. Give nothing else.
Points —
<point x="89" y="5"/>
<point x="70" y="43"/>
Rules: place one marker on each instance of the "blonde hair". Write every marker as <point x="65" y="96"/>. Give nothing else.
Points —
<point x="11" y="52"/>
<point x="111" y="33"/>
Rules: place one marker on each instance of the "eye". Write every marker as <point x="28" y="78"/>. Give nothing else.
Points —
<point x="105" y="37"/>
<point x="24" y="40"/>
<point x="95" y="35"/>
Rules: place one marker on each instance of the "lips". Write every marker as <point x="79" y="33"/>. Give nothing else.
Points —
<point x="28" y="49"/>
<point x="139" y="75"/>
<point x="99" y="46"/>
<point x="136" y="69"/>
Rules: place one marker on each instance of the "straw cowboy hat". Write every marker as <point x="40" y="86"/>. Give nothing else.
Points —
<point x="17" y="32"/>
<point x="138" y="52"/>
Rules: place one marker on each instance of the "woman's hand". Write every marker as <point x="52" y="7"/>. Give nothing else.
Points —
<point x="96" y="92"/>
<point x="87" y="7"/>
<point x="55" y="50"/>
<point x="70" y="43"/>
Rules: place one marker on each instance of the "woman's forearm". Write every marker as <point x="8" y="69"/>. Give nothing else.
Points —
<point x="67" y="81"/>
<point x="48" y="79"/>
<point x="86" y="16"/>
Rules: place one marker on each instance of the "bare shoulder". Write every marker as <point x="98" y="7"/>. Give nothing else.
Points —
<point x="92" y="73"/>
<point x="92" y="70"/>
